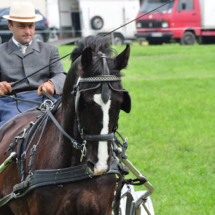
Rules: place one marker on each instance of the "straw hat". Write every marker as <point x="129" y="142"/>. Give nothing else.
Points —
<point x="23" y="12"/>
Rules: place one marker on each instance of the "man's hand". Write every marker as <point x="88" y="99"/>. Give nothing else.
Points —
<point x="47" y="87"/>
<point x="5" y="88"/>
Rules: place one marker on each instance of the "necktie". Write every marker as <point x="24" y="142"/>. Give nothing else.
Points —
<point x="23" y="48"/>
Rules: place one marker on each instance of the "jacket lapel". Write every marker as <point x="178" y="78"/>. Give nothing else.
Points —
<point x="33" y="47"/>
<point x="12" y="48"/>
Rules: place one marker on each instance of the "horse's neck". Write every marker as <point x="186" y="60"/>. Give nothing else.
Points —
<point x="68" y="101"/>
<point x="69" y="121"/>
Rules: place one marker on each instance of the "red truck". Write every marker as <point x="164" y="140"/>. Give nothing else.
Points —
<point x="182" y="20"/>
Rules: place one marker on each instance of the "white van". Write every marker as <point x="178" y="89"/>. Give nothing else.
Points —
<point x="93" y="17"/>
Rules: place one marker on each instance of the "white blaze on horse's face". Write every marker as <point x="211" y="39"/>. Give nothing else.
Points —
<point x="102" y="166"/>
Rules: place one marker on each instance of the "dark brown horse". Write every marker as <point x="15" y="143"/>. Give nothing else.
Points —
<point x="96" y="113"/>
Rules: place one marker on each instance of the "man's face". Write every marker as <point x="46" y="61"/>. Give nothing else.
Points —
<point x="23" y="32"/>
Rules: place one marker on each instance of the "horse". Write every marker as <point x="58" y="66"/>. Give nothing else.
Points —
<point x="89" y="110"/>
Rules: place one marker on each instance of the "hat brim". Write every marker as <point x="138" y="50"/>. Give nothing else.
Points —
<point x="37" y="18"/>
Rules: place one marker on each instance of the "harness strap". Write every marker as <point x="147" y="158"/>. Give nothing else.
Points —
<point x="49" y="96"/>
<point x="105" y="89"/>
<point x="117" y="197"/>
<point x="35" y="127"/>
<point x="32" y="132"/>
<point x="28" y="101"/>
<point x="33" y="150"/>
<point x="6" y="199"/>
<point x="40" y="178"/>
<point x="101" y="78"/>
<point x="23" y="100"/>
<point x="25" y="144"/>
<point x="74" y="143"/>
<point x="116" y="90"/>
<point x="99" y="137"/>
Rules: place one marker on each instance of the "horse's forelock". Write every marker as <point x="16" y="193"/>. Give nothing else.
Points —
<point x="96" y="43"/>
<point x="96" y="67"/>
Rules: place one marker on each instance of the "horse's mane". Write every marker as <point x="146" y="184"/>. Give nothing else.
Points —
<point x="96" y="43"/>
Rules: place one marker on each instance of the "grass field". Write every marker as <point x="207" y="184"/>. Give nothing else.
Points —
<point x="171" y="128"/>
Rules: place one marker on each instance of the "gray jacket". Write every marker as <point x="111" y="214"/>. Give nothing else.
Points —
<point x="15" y="66"/>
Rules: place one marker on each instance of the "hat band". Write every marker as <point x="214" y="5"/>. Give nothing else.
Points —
<point x="17" y="17"/>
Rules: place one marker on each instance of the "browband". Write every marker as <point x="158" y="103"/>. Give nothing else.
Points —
<point x="102" y="78"/>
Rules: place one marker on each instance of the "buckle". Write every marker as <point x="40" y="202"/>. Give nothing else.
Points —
<point x="46" y="104"/>
<point x="83" y="151"/>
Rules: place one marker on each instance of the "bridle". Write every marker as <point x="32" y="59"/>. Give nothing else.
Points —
<point x="103" y="81"/>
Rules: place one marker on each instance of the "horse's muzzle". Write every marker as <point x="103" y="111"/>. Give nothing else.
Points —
<point x="97" y="169"/>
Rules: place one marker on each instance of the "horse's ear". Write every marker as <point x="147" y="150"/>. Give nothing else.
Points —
<point x="86" y="57"/>
<point x="126" y="104"/>
<point x="122" y="58"/>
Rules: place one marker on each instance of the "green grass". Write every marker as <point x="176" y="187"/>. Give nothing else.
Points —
<point x="170" y="129"/>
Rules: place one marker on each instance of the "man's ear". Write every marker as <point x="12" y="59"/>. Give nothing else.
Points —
<point x="9" y="26"/>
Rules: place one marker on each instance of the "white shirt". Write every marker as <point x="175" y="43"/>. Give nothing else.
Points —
<point x="17" y="43"/>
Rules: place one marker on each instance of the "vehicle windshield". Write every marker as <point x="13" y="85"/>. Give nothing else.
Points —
<point x="149" y="5"/>
<point x="4" y="11"/>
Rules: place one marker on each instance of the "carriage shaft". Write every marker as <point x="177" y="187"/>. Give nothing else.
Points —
<point x="8" y="161"/>
<point x="136" y="172"/>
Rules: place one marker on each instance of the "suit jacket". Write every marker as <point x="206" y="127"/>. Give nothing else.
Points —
<point x="15" y="66"/>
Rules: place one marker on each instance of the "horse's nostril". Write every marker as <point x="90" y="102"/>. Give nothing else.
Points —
<point x="91" y="165"/>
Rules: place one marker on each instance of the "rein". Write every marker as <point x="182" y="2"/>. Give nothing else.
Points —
<point x="42" y="105"/>
<point x="23" y="100"/>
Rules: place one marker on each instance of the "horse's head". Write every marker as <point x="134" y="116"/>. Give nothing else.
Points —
<point x="98" y="101"/>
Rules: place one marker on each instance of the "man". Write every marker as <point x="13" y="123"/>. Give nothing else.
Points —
<point x="22" y="56"/>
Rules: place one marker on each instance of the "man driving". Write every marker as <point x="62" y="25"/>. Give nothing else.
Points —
<point x="21" y="56"/>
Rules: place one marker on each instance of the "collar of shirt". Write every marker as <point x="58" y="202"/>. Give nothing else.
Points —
<point x="17" y="43"/>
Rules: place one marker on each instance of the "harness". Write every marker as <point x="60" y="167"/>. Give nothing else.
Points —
<point x="40" y="178"/>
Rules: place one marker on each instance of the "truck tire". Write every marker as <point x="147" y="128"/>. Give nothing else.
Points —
<point x="118" y="39"/>
<point x="200" y="40"/>
<point x="188" y="38"/>
<point x="97" y="22"/>
<point x="39" y="37"/>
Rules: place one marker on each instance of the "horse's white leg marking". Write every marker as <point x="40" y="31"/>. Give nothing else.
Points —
<point x="101" y="166"/>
